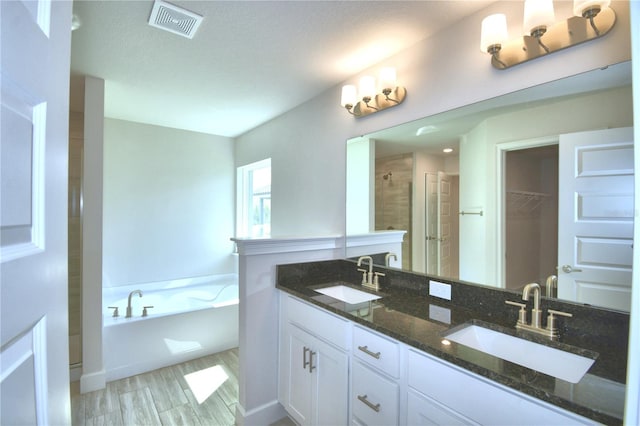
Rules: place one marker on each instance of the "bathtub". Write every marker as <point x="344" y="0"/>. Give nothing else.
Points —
<point x="190" y="318"/>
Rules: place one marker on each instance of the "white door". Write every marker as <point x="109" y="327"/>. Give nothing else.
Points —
<point x="444" y="225"/>
<point x="596" y="211"/>
<point x="300" y="380"/>
<point x="431" y="222"/>
<point x="332" y="384"/>
<point x="34" y="72"/>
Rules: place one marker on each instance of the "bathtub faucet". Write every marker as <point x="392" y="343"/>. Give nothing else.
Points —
<point x="139" y="292"/>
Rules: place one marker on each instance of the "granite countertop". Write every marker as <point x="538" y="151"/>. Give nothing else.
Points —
<point x="422" y="321"/>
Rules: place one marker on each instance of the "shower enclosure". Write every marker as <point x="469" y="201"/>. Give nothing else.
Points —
<point x="393" y="199"/>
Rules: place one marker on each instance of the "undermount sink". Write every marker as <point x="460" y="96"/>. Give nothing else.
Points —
<point x="554" y="362"/>
<point x="347" y="294"/>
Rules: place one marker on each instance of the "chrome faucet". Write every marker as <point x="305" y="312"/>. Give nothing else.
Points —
<point x="551" y="330"/>
<point x="138" y="292"/>
<point x="388" y="256"/>
<point x="536" y="314"/>
<point x="366" y="276"/>
<point x="369" y="278"/>
<point x="552" y="285"/>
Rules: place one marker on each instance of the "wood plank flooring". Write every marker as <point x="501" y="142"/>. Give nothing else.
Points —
<point x="165" y="397"/>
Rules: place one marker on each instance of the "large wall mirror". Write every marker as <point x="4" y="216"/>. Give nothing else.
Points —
<point x="533" y="186"/>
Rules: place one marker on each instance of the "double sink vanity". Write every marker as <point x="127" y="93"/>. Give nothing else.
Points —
<point x="422" y="350"/>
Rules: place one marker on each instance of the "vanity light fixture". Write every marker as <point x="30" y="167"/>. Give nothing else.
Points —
<point x="447" y="150"/>
<point x="367" y="99"/>
<point x="542" y="35"/>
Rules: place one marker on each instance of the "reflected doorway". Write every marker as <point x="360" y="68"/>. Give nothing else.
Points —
<point x="531" y="216"/>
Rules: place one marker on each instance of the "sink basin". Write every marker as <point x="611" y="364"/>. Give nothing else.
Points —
<point x="347" y="294"/>
<point x="554" y="362"/>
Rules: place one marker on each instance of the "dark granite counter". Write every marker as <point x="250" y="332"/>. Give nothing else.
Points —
<point x="407" y="313"/>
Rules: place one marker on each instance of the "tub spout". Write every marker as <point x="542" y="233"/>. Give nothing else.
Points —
<point x="139" y="293"/>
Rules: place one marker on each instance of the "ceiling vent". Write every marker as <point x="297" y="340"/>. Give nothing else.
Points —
<point x="174" y="19"/>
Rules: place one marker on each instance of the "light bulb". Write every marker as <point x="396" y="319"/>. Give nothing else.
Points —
<point x="349" y="96"/>
<point x="367" y="87"/>
<point x="493" y="32"/>
<point x="538" y="15"/>
<point x="387" y="79"/>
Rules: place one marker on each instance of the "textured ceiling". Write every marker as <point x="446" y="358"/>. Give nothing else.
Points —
<point x="249" y="61"/>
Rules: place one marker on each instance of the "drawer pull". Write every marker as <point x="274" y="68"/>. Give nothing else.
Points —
<point x="364" y="399"/>
<point x="311" y="366"/>
<point x="366" y="350"/>
<point x="304" y="357"/>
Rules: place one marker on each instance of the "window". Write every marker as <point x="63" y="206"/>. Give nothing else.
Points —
<point x="254" y="200"/>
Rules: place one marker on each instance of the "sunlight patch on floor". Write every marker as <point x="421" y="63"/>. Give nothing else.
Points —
<point x="204" y="383"/>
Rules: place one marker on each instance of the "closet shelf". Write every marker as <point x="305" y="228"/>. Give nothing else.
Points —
<point x="524" y="202"/>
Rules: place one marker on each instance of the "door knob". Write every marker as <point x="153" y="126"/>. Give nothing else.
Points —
<point x="569" y="269"/>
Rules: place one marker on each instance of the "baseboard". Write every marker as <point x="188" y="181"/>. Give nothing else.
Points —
<point x="264" y="415"/>
<point x="93" y="381"/>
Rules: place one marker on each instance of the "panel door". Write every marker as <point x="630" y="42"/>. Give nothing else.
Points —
<point x="596" y="195"/>
<point x="331" y="367"/>
<point x="34" y="72"/>
<point x="300" y="380"/>
<point x="431" y="222"/>
<point x="444" y="225"/>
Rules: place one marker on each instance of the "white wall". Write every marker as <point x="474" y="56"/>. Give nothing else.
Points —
<point x="360" y="187"/>
<point x="168" y="204"/>
<point x="307" y="144"/>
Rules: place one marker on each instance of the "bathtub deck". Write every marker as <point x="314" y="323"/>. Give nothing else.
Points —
<point x="162" y="397"/>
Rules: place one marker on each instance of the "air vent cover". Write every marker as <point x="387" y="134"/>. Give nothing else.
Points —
<point x="174" y="19"/>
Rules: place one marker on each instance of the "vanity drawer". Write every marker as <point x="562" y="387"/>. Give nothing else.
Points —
<point x="374" y="398"/>
<point x="475" y="398"/>
<point x="376" y="350"/>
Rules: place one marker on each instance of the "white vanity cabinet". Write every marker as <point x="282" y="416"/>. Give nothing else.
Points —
<point x="336" y="372"/>
<point x="314" y="364"/>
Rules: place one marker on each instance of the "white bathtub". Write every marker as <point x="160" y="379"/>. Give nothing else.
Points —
<point x="190" y="318"/>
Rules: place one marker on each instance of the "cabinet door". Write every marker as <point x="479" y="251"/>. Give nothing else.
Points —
<point x="331" y="387"/>
<point x="298" y="398"/>
<point x="423" y="411"/>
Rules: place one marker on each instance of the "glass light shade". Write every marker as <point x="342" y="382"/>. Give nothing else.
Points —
<point x="537" y="13"/>
<point x="387" y="78"/>
<point x="349" y="95"/>
<point x="580" y="5"/>
<point x="367" y="87"/>
<point x="493" y="31"/>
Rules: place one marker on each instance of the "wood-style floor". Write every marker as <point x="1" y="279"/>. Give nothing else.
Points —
<point x="166" y="397"/>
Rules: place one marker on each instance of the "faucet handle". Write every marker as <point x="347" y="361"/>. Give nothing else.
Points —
<point x="375" y="278"/>
<point x="522" y="313"/>
<point x="364" y="275"/>
<point x="115" y="310"/>
<point x="551" y="320"/>
<point x="144" y="310"/>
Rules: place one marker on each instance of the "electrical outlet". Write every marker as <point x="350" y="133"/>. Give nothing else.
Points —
<point x="438" y="313"/>
<point x="441" y="290"/>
